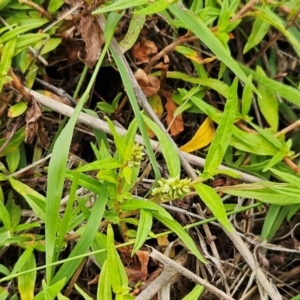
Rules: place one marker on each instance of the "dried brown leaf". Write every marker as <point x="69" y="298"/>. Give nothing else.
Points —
<point x="143" y="257"/>
<point x="143" y="50"/>
<point x="149" y="84"/>
<point x="92" y="36"/>
<point x="32" y="116"/>
<point x="175" y="123"/>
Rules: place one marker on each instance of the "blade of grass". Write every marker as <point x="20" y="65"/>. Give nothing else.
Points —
<point x="69" y="267"/>
<point x="196" y="25"/>
<point x="57" y="170"/>
<point x="224" y="132"/>
<point x="128" y="78"/>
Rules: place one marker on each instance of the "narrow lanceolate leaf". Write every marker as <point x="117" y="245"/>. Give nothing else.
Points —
<point x="5" y="217"/>
<point x="86" y="240"/>
<point x="198" y="27"/>
<point x="246" y="99"/>
<point x="273" y="193"/>
<point x="268" y="103"/>
<point x="145" y="224"/>
<point x="117" y="275"/>
<point x="259" y="30"/>
<point x="140" y="204"/>
<point x="202" y="138"/>
<point x="35" y="200"/>
<point x="135" y="27"/>
<point x="252" y="142"/>
<point x="22" y="260"/>
<point x="285" y="91"/>
<point x="214" y="203"/>
<point x="168" y="150"/>
<point x="285" y="177"/>
<point x="82" y="293"/>
<point x="26" y="282"/>
<point x="120" y="5"/>
<point x="182" y="234"/>
<point x="195" y="293"/>
<point x="104" y="286"/>
<point x="224" y="132"/>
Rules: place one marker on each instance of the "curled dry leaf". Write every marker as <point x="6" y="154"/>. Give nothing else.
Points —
<point x="144" y="259"/>
<point x="92" y="36"/>
<point x="174" y="123"/>
<point x="33" y="114"/>
<point x="143" y="50"/>
<point x="149" y="84"/>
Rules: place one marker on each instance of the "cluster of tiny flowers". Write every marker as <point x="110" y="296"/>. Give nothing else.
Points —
<point x="172" y="188"/>
<point x="137" y="156"/>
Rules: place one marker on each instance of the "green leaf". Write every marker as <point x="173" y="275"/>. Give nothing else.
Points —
<point x="17" y="109"/>
<point x="68" y="268"/>
<point x="268" y="103"/>
<point x="82" y="293"/>
<point x="100" y="243"/>
<point x="26" y="281"/>
<point x="104" y="286"/>
<point x="111" y="24"/>
<point x="246" y="98"/>
<point x="143" y="229"/>
<point x="195" y="293"/>
<point x="268" y="135"/>
<point x="106" y="107"/>
<point x="259" y="30"/>
<point x="13" y="160"/>
<point x="14" y="143"/>
<point x="223" y="133"/>
<point x="86" y="181"/>
<point x="5" y="217"/>
<point x="127" y="77"/>
<point x="54" y="5"/>
<point x="284" y="176"/>
<point x="6" y="58"/>
<point x="265" y="13"/>
<point x="135" y="204"/>
<point x="153" y="8"/>
<point x="35" y="200"/>
<point x="168" y="150"/>
<point x="275" y="216"/>
<point x="106" y="163"/>
<point x="198" y="27"/>
<point x="118" y="140"/>
<point x="108" y="175"/>
<point x="224" y="16"/>
<point x="214" y="203"/>
<point x="27" y="40"/>
<point x="22" y="260"/>
<point x="212" y="83"/>
<point x="182" y="234"/>
<point x="117" y="275"/>
<point x="127" y="173"/>
<point x="252" y="142"/>
<point x="268" y="192"/>
<point x="136" y="24"/>
<point x="4" y="236"/>
<point x="120" y="5"/>
<point x="285" y="91"/>
<point x="9" y="35"/>
<point x="274" y="160"/>
<point x="3" y="3"/>
<point x="51" y="291"/>
<point x="55" y="184"/>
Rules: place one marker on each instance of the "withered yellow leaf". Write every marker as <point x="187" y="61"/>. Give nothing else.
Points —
<point x="202" y="138"/>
